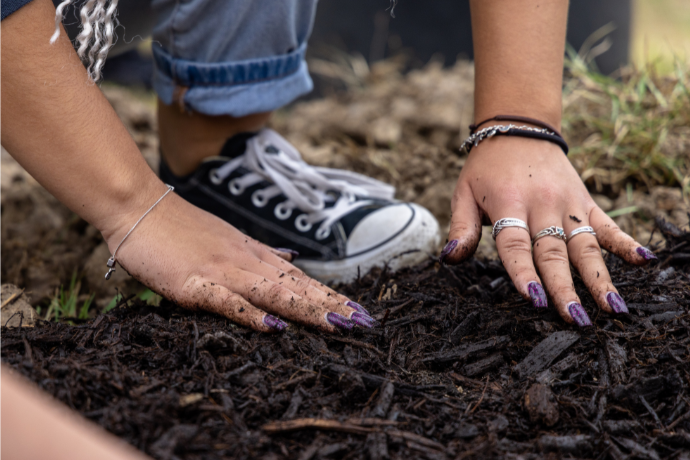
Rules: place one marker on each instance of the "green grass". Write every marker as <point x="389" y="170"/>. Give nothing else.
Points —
<point x="65" y="304"/>
<point x="635" y="128"/>
<point x="147" y="295"/>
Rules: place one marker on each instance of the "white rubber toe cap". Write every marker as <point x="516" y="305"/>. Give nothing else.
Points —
<point x="399" y="235"/>
<point x="407" y="226"/>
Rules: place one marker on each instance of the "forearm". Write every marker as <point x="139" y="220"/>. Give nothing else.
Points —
<point x="61" y="128"/>
<point x="518" y="52"/>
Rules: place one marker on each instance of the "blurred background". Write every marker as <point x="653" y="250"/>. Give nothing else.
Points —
<point x="393" y="99"/>
<point x="612" y="33"/>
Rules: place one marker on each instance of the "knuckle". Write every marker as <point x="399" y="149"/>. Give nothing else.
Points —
<point x="509" y="193"/>
<point x="276" y="291"/>
<point x="552" y="254"/>
<point x="296" y="273"/>
<point x="516" y="246"/>
<point x="548" y="195"/>
<point x="590" y="250"/>
<point x="524" y="273"/>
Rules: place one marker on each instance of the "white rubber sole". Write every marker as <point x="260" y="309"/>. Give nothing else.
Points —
<point x="421" y="235"/>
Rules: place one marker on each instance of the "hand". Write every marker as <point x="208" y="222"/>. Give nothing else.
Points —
<point x="200" y="262"/>
<point x="533" y="180"/>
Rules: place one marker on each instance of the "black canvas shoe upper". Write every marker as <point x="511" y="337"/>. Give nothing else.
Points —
<point x="260" y="185"/>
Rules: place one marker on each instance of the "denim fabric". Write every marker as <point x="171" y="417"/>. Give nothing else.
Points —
<point x="8" y="7"/>
<point x="231" y="57"/>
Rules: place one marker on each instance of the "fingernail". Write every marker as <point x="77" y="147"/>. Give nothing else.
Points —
<point x="616" y="302"/>
<point x="448" y="248"/>
<point x="579" y="314"/>
<point x="339" y="321"/>
<point x="293" y="253"/>
<point x="275" y="323"/>
<point x="536" y="292"/>
<point x="646" y="253"/>
<point x="363" y="320"/>
<point x="357" y="307"/>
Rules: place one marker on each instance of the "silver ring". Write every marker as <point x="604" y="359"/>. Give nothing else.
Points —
<point x="550" y="231"/>
<point x="507" y="222"/>
<point x="579" y="230"/>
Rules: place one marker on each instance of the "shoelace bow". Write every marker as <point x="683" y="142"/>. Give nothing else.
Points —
<point x="269" y="157"/>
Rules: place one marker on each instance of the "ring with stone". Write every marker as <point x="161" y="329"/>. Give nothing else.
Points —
<point x="507" y="222"/>
<point x="550" y="231"/>
<point x="579" y="230"/>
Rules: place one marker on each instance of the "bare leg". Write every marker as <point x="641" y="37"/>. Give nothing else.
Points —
<point x="187" y="138"/>
<point x="26" y="411"/>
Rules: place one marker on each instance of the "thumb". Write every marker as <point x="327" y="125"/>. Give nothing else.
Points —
<point x="465" y="226"/>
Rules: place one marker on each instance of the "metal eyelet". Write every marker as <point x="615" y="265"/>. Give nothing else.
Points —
<point x="213" y="177"/>
<point x="282" y="212"/>
<point x="301" y="223"/>
<point x="235" y="188"/>
<point x="322" y="233"/>
<point x="259" y="199"/>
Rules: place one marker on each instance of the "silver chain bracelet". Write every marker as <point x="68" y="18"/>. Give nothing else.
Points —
<point x="113" y="259"/>
<point x="491" y="131"/>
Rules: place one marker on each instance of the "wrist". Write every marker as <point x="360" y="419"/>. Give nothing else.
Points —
<point x="483" y="119"/>
<point x="125" y="202"/>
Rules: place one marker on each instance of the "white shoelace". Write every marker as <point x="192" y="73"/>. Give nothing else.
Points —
<point x="308" y="188"/>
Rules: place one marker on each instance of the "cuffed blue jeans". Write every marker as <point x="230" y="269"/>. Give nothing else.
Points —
<point x="216" y="57"/>
<point x="231" y="57"/>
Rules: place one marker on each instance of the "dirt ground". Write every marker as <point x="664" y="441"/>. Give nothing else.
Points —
<point x="462" y="367"/>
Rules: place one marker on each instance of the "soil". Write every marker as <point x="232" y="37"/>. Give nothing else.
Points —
<point x="462" y="367"/>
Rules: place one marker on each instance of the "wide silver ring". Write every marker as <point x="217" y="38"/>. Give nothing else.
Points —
<point x="579" y="230"/>
<point x="507" y="222"/>
<point x="550" y="231"/>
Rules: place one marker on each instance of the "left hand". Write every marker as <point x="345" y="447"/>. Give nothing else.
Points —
<point x="532" y="180"/>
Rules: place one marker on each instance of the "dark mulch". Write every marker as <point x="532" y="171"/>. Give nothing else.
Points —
<point x="461" y="368"/>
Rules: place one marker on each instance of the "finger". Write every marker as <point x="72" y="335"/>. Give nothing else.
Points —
<point x="284" y="253"/>
<point x="551" y="258"/>
<point x="514" y="247"/>
<point x="309" y="289"/>
<point x="465" y="226"/>
<point x="289" y="269"/>
<point x="279" y="300"/>
<point x="616" y="241"/>
<point x="585" y="255"/>
<point x="200" y="294"/>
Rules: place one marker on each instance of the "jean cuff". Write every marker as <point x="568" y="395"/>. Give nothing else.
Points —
<point x="236" y="88"/>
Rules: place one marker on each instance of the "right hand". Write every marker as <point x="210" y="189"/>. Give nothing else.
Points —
<point x="200" y="262"/>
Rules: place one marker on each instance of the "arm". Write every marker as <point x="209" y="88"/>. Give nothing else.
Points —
<point x="63" y="131"/>
<point x="519" y="47"/>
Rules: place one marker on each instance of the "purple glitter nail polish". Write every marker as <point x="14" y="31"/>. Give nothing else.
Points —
<point x="536" y="292"/>
<point x="616" y="302"/>
<point x="363" y="320"/>
<point x="357" y="307"/>
<point x="448" y="248"/>
<point x="645" y="253"/>
<point x="294" y="254"/>
<point x="579" y="314"/>
<point x="339" y="321"/>
<point x="275" y="323"/>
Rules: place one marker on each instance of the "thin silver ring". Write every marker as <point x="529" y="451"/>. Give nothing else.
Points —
<point x="507" y="222"/>
<point x="579" y="230"/>
<point x="550" y="231"/>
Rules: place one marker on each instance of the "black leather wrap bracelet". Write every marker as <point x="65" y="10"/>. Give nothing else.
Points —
<point x="517" y="131"/>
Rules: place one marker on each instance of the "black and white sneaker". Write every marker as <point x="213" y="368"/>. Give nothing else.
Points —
<point x="339" y="221"/>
